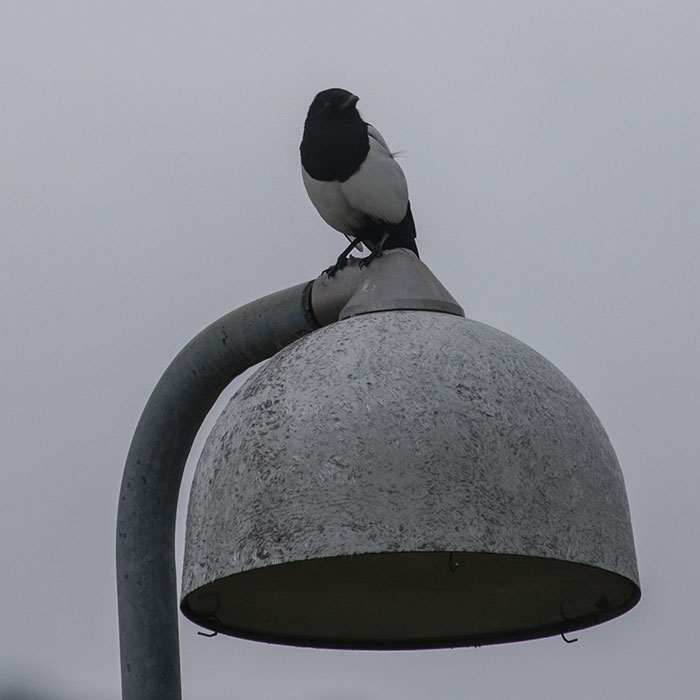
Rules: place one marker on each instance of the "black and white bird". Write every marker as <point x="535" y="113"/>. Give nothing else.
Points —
<point x="352" y="178"/>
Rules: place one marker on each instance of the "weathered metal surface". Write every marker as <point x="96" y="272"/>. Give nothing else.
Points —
<point x="397" y="280"/>
<point x="398" y="432"/>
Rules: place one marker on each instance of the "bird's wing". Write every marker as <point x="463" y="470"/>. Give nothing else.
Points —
<point x="374" y="134"/>
<point x="378" y="189"/>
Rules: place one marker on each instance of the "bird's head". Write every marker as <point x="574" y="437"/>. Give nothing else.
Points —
<point x="334" y="104"/>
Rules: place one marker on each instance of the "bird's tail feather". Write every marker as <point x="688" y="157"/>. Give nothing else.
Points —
<point x="403" y="235"/>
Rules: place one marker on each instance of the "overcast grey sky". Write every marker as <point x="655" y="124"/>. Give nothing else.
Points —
<point x="150" y="183"/>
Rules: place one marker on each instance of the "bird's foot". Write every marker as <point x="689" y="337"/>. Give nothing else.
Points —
<point x="377" y="253"/>
<point x="340" y="263"/>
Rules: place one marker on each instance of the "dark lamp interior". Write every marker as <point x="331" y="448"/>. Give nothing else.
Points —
<point x="410" y="600"/>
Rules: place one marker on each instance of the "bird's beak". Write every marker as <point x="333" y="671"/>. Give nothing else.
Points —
<point x="349" y="101"/>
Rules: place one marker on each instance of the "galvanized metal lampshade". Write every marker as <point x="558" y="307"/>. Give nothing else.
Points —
<point x="407" y="479"/>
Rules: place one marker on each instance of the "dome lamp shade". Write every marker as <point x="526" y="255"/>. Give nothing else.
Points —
<point x="405" y="480"/>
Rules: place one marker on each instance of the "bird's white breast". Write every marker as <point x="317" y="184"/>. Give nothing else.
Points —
<point x="378" y="190"/>
<point x="332" y="205"/>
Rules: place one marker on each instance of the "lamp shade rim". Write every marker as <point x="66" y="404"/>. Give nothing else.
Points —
<point x="519" y="597"/>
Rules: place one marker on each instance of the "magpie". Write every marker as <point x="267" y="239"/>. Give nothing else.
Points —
<point x="353" y="180"/>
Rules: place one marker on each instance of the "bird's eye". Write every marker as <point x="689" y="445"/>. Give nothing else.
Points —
<point x="327" y="106"/>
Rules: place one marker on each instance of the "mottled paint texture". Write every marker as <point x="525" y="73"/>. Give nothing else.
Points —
<point x="406" y="431"/>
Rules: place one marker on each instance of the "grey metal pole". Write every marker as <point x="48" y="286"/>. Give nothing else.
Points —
<point x="146" y="576"/>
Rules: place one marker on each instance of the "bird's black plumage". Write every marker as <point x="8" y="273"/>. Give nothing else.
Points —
<point x="335" y="141"/>
<point x="352" y="178"/>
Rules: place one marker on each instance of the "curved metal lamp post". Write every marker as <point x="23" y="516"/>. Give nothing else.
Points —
<point x="404" y="479"/>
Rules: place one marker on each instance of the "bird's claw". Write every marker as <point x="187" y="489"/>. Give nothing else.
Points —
<point x="339" y="265"/>
<point x="366" y="261"/>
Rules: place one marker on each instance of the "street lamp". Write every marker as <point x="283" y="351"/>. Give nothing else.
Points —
<point x="403" y="478"/>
